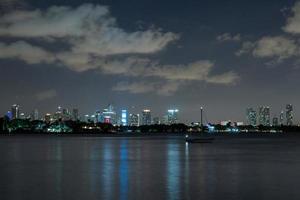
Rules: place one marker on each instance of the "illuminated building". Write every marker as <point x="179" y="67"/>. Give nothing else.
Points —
<point x="264" y="115"/>
<point x="86" y="118"/>
<point x="9" y="115"/>
<point x="251" y="116"/>
<point x="289" y="114"/>
<point x="124" y="118"/>
<point x="172" y="116"/>
<point x="48" y="118"/>
<point x="146" y="117"/>
<point x="281" y="118"/>
<point x="22" y="116"/>
<point x="109" y="115"/>
<point x="134" y="119"/>
<point x="58" y="114"/>
<point x="15" y="110"/>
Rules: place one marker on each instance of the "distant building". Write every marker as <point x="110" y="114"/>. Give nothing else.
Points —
<point x="15" y="110"/>
<point x="109" y="115"/>
<point x="275" y="121"/>
<point x="264" y="115"/>
<point x="22" y="116"/>
<point x="289" y="114"/>
<point x="172" y="116"/>
<point x="48" y="118"/>
<point x="134" y="119"/>
<point x="86" y="118"/>
<point x="146" y="117"/>
<point x="124" y="118"/>
<point x="251" y="117"/>
<point x="281" y="118"/>
<point x="59" y="113"/>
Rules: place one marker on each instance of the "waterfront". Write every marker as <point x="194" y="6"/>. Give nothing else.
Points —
<point x="149" y="168"/>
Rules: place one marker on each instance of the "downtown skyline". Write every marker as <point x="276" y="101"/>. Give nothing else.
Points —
<point x="225" y="57"/>
<point x="262" y="115"/>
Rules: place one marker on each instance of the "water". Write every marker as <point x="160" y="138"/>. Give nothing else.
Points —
<point x="143" y="168"/>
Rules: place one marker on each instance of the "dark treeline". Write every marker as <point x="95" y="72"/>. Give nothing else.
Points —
<point x="27" y="126"/>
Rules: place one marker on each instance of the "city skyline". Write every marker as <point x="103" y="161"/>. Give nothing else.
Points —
<point x="170" y="58"/>
<point x="262" y="115"/>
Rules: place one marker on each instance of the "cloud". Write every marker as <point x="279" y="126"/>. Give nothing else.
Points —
<point x="279" y="47"/>
<point x="246" y="48"/>
<point x="171" y="77"/>
<point x="44" y="95"/>
<point x="135" y="87"/>
<point x="229" y="37"/>
<point x="293" y="22"/>
<point x="137" y="67"/>
<point x="164" y="88"/>
<point x="26" y="52"/>
<point x="87" y="29"/>
<point x="88" y="38"/>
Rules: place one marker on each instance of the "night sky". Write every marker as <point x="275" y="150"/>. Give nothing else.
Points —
<point x="223" y="55"/>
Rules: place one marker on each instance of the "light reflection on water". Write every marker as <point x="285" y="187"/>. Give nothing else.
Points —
<point x="126" y="168"/>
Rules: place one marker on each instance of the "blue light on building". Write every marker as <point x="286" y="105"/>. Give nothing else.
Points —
<point x="124" y="118"/>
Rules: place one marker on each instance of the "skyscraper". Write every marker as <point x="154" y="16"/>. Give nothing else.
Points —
<point x="146" y="117"/>
<point x="251" y="116"/>
<point x="124" y="118"/>
<point x="289" y="114"/>
<point x="264" y="115"/>
<point x="15" y="110"/>
<point x="172" y="116"/>
<point x="281" y="118"/>
<point x="109" y="115"/>
<point x="134" y="119"/>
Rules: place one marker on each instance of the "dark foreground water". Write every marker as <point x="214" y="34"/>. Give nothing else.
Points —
<point x="146" y="168"/>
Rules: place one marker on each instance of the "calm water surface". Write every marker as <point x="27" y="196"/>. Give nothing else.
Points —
<point x="57" y="168"/>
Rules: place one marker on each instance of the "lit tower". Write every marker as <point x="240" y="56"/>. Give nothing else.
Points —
<point x="173" y="116"/>
<point x="251" y="116"/>
<point x="146" y="117"/>
<point x="15" y="110"/>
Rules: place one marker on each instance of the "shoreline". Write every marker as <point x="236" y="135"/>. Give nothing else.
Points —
<point x="156" y="135"/>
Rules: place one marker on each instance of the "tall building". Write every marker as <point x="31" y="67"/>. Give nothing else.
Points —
<point x="109" y="115"/>
<point x="15" y="110"/>
<point x="146" y="117"/>
<point x="289" y="114"/>
<point x="251" y="116"/>
<point x="264" y="115"/>
<point x="134" y="120"/>
<point x="281" y="118"/>
<point x="172" y="116"/>
<point x="124" y="118"/>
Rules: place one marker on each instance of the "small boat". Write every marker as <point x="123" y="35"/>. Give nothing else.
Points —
<point x="199" y="139"/>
